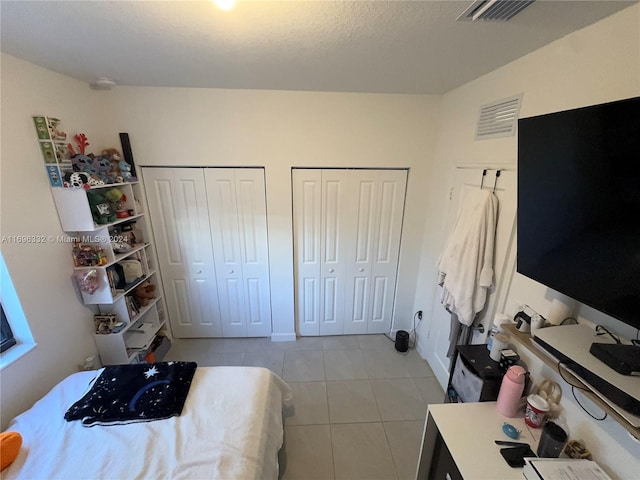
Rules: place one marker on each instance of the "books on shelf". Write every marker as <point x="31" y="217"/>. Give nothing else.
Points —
<point x="133" y="306"/>
<point x="112" y="281"/>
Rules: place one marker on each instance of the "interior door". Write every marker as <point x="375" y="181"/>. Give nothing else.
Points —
<point x="180" y="223"/>
<point x="237" y="214"/>
<point x="465" y="179"/>
<point x="347" y="226"/>
<point x="372" y="260"/>
<point x="334" y="243"/>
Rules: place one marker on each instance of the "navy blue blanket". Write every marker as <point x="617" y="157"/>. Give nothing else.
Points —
<point x="134" y="393"/>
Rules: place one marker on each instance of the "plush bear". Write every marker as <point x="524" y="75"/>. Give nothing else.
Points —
<point x="144" y="293"/>
<point x="114" y="157"/>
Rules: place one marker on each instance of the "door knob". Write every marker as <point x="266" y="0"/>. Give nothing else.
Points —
<point x="361" y="269"/>
<point x="199" y="272"/>
<point x="331" y="270"/>
<point x="230" y="271"/>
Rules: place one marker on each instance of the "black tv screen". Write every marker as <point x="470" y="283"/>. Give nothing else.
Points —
<point x="579" y="205"/>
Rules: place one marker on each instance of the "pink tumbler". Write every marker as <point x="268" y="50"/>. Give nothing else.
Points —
<point x="511" y="391"/>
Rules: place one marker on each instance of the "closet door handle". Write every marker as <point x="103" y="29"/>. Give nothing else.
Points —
<point x="230" y="271"/>
<point x="331" y="270"/>
<point x="361" y="270"/>
<point x="199" y="272"/>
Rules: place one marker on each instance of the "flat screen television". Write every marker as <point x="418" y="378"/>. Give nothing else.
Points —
<point x="579" y="205"/>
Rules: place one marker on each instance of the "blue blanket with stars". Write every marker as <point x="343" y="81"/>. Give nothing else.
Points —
<point x="134" y="393"/>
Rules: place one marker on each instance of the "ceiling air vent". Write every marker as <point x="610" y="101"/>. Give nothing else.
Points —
<point x="494" y="10"/>
<point x="499" y="118"/>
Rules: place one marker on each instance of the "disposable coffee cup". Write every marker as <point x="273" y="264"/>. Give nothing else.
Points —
<point x="552" y="441"/>
<point x="536" y="411"/>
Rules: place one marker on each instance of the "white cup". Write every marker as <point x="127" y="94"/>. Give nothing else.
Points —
<point x="500" y="342"/>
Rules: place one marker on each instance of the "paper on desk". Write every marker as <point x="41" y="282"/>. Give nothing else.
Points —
<point x="562" y="469"/>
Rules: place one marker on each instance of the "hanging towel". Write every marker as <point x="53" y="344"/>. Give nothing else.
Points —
<point x="465" y="265"/>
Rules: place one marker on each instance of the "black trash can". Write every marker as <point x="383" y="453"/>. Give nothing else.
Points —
<point x="402" y="341"/>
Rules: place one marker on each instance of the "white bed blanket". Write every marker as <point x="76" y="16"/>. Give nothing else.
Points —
<point x="230" y="428"/>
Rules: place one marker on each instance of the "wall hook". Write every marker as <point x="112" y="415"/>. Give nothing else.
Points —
<point x="495" y="182"/>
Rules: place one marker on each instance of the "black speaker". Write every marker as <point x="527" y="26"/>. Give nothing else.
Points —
<point x="402" y="341"/>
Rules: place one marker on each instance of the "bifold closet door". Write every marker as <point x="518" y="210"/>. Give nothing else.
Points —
<point x="210" y="227"/>
<point x="180" y="221"/>
<point x="347" y="226"/>
<point x="320" y="218"/>
<point x="238" y="218"/>
<point x="372" y="256"/>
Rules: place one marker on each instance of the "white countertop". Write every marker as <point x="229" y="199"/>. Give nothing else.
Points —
<point x="469" y="430"/>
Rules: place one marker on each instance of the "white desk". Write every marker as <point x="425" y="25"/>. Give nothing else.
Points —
<point x="469" y="431"/>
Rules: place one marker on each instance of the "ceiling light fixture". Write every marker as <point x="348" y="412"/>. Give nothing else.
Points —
<point x="225" y="5"/>
<point x="102" y="83"/>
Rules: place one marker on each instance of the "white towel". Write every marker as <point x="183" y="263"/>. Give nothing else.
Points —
<point x="465" y="265"/>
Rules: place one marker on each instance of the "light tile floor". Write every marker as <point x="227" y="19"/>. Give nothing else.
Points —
<point x="359" y="405"/>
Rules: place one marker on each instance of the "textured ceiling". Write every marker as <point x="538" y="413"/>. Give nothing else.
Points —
<point x="347" y="46"/>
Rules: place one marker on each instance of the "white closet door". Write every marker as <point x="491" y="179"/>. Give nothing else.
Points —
<point x="237" y="214"/>
<point x="372" y="261"/>
<point x="347" y="226"/>
<point x="307" y="219"/>
<point x="335" y="242"/>
<point x="363" y="210"/>
<point x="180" y="223"/>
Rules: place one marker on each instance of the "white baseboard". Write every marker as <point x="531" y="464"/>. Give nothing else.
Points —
<point x="283" y="337"/>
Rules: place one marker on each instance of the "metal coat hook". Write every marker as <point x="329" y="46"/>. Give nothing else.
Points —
<point x="484" y="173"/>
<point x="495" y="182"/>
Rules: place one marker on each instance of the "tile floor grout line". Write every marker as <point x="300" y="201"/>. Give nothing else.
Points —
<point x="326" y="393"/>
<point x="409" y="367"/>
<point x="386" y="436"/>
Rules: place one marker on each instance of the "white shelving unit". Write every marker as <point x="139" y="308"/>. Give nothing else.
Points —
<point x="126" y="345"/>
<point x="129" y="344"/>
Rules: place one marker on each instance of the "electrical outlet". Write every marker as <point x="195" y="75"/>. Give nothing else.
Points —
<point x="89" y="363"/>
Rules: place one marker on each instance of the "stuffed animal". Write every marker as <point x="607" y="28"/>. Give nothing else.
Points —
<point x="125" y="170"/>
<point x="114" y="157"/>
<point x="144" y="293"/>
<point x="103" y="166"/>
<point x="112" y="154"/>
<point x="101" y="208"/>
<point x="118" y="201"/>
<point x="83" y="163"/>
<point x="76" y="180"/>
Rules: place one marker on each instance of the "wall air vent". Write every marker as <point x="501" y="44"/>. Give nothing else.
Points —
<point x="499" y="118"/>
<point x="494" y="10"/>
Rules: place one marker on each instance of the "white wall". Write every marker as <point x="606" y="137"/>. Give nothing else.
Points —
<point x="597" y="64"/>
<point x="41" y="274"/>
<point x="279" y="130"/>
<point x="187" y="127"/>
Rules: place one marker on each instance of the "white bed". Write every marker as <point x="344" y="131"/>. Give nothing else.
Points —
<point x="230" y="428"/>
